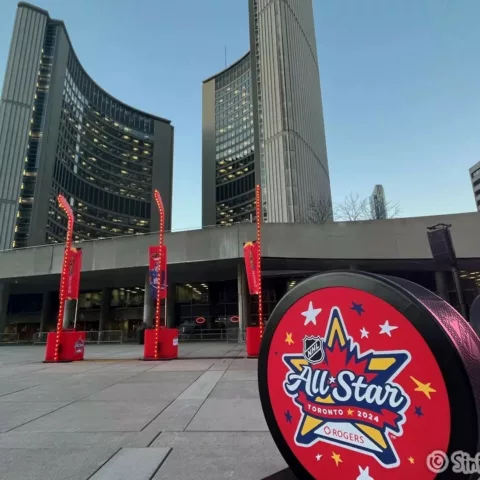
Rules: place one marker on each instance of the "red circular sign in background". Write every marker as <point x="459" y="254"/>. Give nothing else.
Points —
<point x="394" y="354"/>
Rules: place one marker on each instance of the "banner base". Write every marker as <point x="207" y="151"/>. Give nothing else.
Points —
<point x="252" y="342"/>
<point x="167" y="344"/>
<point x="71" y="348"/>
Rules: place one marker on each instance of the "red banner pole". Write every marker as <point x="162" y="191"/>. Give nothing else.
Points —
<point x="159" y="202"/>
<point x="258" y="201"/>
<point x="63" y="277"/>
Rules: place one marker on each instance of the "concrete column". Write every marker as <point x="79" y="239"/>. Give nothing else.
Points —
<point x="4" y="294"/>
<point x="147" y="305"/>
<point x="46" y="315"/>
<point x="243" y="301"/>
<point x="171" y="300"/>
<point x="441" y="285"/>
<point x="104" y="308"/>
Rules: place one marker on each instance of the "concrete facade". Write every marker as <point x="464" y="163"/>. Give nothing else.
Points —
<point x="16" y="111"/>
<point x="285" y="148"/>
<point x="210" y="261"/>
<point x="290" y="144"/>
<point x="389" y="241"/>
<point x="61" y="133"/>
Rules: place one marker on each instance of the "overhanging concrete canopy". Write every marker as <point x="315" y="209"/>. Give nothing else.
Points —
<point x="393" y="240"/>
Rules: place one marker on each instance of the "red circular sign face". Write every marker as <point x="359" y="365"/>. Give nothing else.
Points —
<point x="200" y="320"/>
<point x="355" y="390"/>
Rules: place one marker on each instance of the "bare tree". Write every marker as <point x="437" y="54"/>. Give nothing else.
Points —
<point x="354" y="208"/>
<point x="318" y="211"/>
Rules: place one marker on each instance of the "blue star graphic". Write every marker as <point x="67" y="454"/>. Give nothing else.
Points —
<point x="418" y="411"/>
<point x="358" y="307"/>
<point x="288" y="416"/>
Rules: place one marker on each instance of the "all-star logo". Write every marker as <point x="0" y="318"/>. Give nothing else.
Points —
<point x="79" y="346"/>
<point x="348" y="398"/>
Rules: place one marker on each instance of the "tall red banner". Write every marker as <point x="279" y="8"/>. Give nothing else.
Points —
<point x="73" y="272"/>
<point x="250" y="253"/>
<point x="157" y="271"/>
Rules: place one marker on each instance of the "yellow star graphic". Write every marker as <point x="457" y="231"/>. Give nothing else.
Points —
<point x="289" y="339"/>
<point x="350" y="411"/>
<point x="424" y="388"/>
<point x="411" y="460"/>
<point x="336" y="458"/>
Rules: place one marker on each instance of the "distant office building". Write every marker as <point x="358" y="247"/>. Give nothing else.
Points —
<point x="475" y="179"/>
<point x="61" y="133"/>
<point x="263" y="122"/>
<point x="378" y="203"/>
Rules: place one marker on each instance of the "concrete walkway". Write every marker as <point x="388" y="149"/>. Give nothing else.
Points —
<point x="132" y="420"/>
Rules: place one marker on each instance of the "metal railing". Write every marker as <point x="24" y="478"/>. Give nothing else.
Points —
<point x="40" y="338"/>
<point x="9" y="338"/>
<point x="106" y="336"/>
<point x="229" y="335"/>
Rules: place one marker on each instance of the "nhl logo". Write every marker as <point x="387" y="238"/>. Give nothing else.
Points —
<point x="313" y="349"/>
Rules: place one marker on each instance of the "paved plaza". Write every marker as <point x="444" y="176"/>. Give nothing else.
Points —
<point x="112" y="417"/>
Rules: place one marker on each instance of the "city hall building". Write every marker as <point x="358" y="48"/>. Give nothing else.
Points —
<point x="60" y="132"/>
<point x="262" y="123"/>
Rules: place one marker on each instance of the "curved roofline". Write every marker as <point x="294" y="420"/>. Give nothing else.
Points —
<point x="62" y="24"/>
<point x="228" y="68"/>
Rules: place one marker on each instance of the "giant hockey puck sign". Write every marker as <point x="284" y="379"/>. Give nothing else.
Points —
<point x="364" y="377"/>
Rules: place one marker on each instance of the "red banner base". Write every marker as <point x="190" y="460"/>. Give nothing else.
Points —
<point x="253" y="341"/>
<point x="71" y="349"/>
<point x="167" y="344"/>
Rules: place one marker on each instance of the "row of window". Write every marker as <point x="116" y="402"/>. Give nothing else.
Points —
<point x="103" y="102"/>
<point x="118" y="135"/>
<point x="125" y="186"/>
<point x="87" y="148"/>
<point x="86" y="192"/>
<point x="232" y="74"/>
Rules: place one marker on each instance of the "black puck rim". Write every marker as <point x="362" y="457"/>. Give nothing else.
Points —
<point x="463" y="414"/>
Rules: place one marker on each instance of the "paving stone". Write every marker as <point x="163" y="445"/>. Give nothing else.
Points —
<point x="52" y="464"/>
<point x="132" y="463"/>
<point x="62" y="440"/>
<point x="233" y="375"/>
<point x="219" y="456"/>
<point x="176" y="417"/>
<point x="236" y="389"/>
<point x="162" y="376"/>
<point x="184" y="365"/>
<point x="55" y="392"/>
<point x="142" y="392"/>
<point x="201" y="388"/>
<point x="239" y="415"/>
<point x="221" y="364"/>
<point x="87" y="416"/>
<point x="15" y="414"/>
<point x="244" y="364"/>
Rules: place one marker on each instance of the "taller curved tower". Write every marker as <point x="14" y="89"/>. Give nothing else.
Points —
<point x="61" y="133"/>
<point x="284" y="97"/>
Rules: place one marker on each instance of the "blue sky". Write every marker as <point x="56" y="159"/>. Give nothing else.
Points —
<point x="400" y="86"/>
